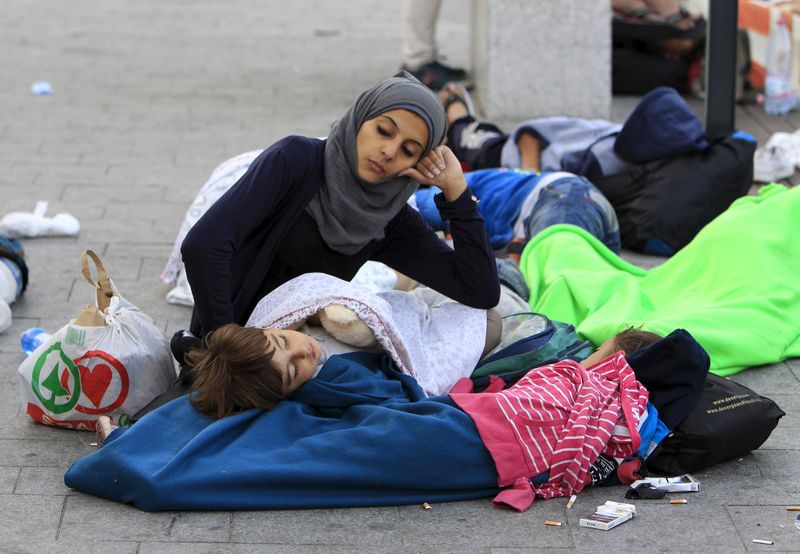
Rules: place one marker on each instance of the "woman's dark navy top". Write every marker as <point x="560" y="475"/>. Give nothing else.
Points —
<point x="257" y="236"/>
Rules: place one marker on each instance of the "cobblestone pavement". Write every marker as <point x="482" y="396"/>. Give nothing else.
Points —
<point x="149" y="96"/>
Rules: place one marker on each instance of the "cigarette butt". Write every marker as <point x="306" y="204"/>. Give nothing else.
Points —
<point x="793" y="508"/>
<point x="572" y="500"/>
<point x="678" y="501"/>
<point x="762" y="541"/>
<point x="426" y="506"/>
<point x="552" y="523"/>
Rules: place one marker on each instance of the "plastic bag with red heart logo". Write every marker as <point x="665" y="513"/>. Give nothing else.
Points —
<point x="110" y="360"/>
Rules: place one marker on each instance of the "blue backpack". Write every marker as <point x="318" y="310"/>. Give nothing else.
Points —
<point x="530" y="340"/>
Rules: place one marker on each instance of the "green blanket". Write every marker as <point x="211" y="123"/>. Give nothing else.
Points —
<point x="735" y="287"/>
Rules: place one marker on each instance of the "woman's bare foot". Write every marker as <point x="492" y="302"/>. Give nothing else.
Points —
<point x="667" y="11"/>
<point x="635" y="8"/>
<point x="529" y="150"/>
<point x="670" y="11"/>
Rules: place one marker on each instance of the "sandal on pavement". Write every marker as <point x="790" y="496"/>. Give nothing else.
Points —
<point x="695" y="32"/>
<point x="454" y="92"/>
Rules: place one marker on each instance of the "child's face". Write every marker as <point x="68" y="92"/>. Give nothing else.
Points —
<point x="296" y="356"/>
<point x="389" y="144"/>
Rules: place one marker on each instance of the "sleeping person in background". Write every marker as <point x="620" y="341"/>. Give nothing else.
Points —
<point x="518" y="204"/>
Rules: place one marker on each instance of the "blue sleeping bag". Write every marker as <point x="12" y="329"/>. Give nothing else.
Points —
<point x="359" y="434"/>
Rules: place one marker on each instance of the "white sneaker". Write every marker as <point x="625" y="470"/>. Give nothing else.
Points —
<point x="789" y="143"/>
<point x="794" y="148"/>
<point x="772" y="164"/>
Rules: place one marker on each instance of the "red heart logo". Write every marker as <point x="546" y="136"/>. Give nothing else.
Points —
<point x="95" y="382"/>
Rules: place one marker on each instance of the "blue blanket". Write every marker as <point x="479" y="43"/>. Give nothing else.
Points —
<point x="359" y="434"/>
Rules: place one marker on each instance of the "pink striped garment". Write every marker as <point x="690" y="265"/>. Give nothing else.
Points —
<point x="558" y="418"/>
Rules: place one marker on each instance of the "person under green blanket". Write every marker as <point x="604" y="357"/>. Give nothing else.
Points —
<point x="735" y="287"/>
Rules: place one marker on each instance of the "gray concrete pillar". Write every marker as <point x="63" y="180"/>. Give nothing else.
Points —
<point x="535" y="58"/>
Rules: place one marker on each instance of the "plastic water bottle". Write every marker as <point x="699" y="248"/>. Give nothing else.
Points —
<point x="31" y="339"/>
<point x="778" y="97"/>
<point x="42" y="88"/>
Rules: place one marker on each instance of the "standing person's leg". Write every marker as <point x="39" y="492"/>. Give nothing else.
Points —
<point x="420" y="55"/>
<point x="419" y="32"/>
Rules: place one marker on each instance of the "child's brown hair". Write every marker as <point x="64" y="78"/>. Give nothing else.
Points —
<point x="234" y="371"/>
<point x="632" y="339"/>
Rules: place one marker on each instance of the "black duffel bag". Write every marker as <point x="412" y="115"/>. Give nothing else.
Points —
<point x="661" y="205"/>
<point x="729" y="421"/>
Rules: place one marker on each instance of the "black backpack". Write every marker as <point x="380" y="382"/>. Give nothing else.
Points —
<point x="634" y="71"/>
<point x="661" y="205"/>
<point x="729" y="421"/>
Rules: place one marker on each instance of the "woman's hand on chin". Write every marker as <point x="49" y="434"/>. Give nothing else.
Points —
<point x="441" y="168"/>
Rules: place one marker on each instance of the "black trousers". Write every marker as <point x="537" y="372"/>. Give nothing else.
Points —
<point x="475" y="143"/>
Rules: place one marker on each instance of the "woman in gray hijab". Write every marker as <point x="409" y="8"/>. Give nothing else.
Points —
<point x="310" y="205"/>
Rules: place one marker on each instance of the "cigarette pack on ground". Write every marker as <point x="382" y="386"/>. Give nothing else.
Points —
<point x="605" y="521"/>
<point x="609" y="515"/>
<point x="682" y="483"/>
<point x="611" y="506"/>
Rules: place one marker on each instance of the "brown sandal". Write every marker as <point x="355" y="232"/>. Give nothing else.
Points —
<point x="458" y="93"/>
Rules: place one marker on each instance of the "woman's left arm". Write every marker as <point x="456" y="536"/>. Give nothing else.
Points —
<point x="467" y="272"/>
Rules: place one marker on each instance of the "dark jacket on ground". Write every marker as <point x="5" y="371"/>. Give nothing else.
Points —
<point x="257" y="236"/>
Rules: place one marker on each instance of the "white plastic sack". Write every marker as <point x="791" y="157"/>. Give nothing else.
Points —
<point x="224" y="176"/>
<point x="18" y="225"/>
<point x="113" y="366"/>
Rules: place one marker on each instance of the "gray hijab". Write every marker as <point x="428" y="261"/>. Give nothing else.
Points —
<point x="350" y="212"/>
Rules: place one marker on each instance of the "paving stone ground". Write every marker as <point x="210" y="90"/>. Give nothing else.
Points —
<point x="149" y="97"/>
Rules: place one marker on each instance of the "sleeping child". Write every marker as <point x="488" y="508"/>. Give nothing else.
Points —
<point x="363" y="434"/>
<point x="242" y="368"/>
<point x="248" y="367"/>
<point x="239" y="368"/>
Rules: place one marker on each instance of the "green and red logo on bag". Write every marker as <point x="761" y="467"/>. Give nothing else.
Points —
<point x="61" y="383"/>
